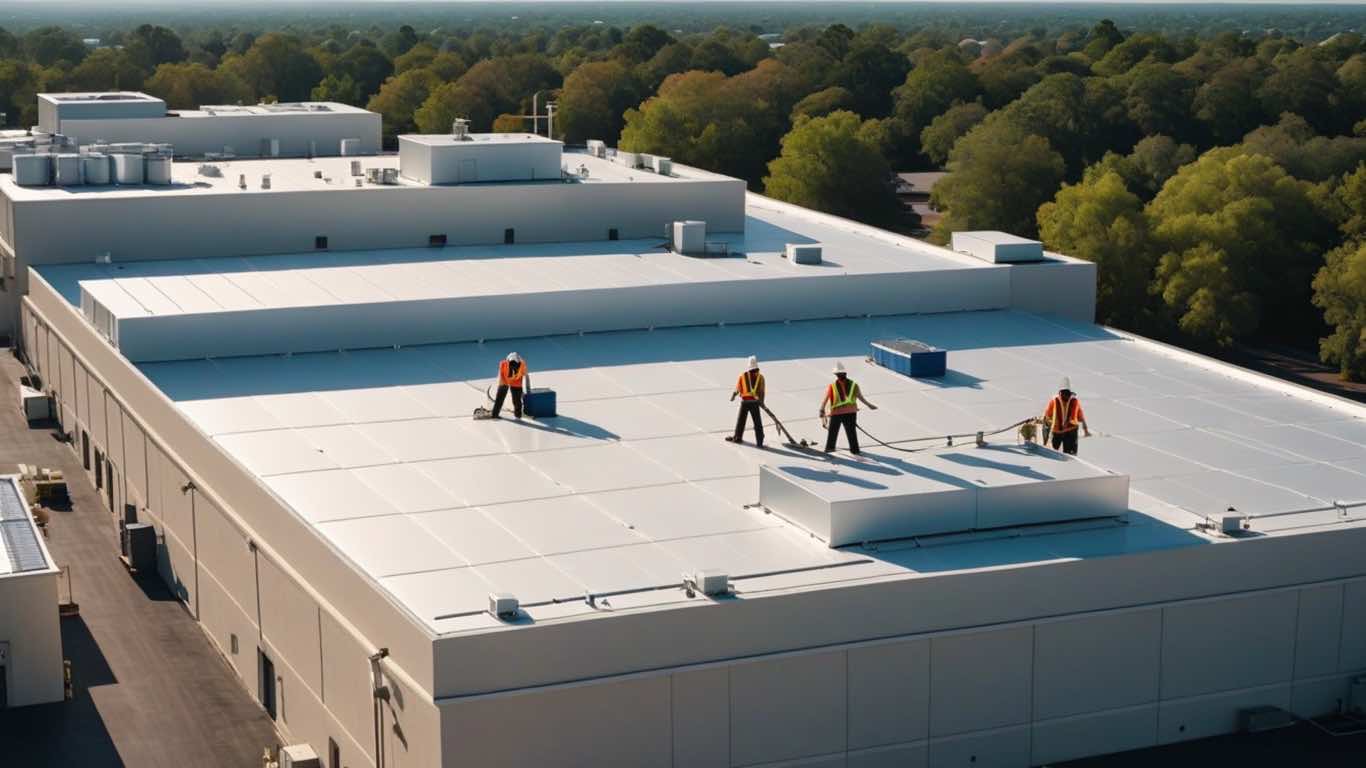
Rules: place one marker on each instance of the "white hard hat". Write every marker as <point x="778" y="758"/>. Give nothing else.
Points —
<point x="1066" y="384"/>
<point x="753" y="362"/>
<point x="839" y="368"/>
<point x="513" y="357"/>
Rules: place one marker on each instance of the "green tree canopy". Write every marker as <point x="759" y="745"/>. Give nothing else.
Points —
<point x="276" y="66"/>
<point x="1340" y="291"/>
<point x="594" y="99"/>
<point x="938" y="138"/>
<point x="936" y="83"/>
<point x="823" y="102"/>
<point x="1240" y="239"/>
<point x="189" y="85"/>
<point x="49" y="45"/>
<point x="998" y="177"/>
<point x="106" y="69"/>
<point x="1100" y="220"/>
<point x="827" y="164"/>
<point x="400" y="97"/>
<point x="149" y="46"/>
<point x="1227" y="102"/>
<point x="490" y="88"/>
<point x="366" y="67"/>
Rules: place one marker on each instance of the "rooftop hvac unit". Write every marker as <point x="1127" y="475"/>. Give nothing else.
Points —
<point x="127" y="168"/>
<point x="210" y="170"/>
<point x="803" y="253"/>
<point x="350" y="147"/>
<point x="597" y="148"/>
<point x="372" y="175"/>
<point x="265" y="181"/>
<point x="299" y="756"/>
<point x="32" y="170"/>
<point x="662" y="165"/>
<point x="140" y="542"/>
<point x="711" y="582"/>
<point x="355" y="168"/>
<point x="35" y="405"/>
<point x="389" y="176"/>
<point x="68" y="169"/>
<point x="157" y="170"/>
<point x="689" y="237"/>
<point x="95" y="165"/>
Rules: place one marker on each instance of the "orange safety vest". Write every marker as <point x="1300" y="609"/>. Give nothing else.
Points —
<point x="1059" y="421"/>
<point x="509" y="379"/>
<point x="750" y="390"/>
<point x="848" y="399"/>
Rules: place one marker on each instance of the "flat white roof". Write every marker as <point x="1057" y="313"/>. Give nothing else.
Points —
<point x="98" y="96"/>
<point x="475" y="139"/>
<point x="632" y="486"/>
<point x="299" y="174"/>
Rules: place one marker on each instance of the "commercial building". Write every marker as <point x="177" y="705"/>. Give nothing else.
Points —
<point x="31" y="668"/>
<point x="280" y="379"/>
<point x="300" y="129"/>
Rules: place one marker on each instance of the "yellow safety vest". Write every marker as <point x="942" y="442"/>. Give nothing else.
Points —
<point x="849" y="398"/>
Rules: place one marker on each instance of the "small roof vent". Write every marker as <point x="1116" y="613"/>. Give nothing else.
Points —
<point x="460" y="129"/>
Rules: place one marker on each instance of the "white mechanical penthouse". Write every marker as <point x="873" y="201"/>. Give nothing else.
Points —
<point x="274" y="362"/>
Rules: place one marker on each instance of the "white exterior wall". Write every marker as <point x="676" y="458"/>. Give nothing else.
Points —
<point x="247" y="135"/>
<point x="492" y="160"/>
<point x="29" y="624"/>
<point x="227" y="567"/>
<point x="53" y="112"/>
<point x="1014" y="695"/>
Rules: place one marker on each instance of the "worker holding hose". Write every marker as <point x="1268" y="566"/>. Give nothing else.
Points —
<point x="842" y="398"/>
<point x="750" y="389"/>
<point x="1062" y="416"/>
<point x="512" y="377"/>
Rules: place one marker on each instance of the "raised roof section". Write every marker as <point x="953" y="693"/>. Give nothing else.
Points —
<point x="479" y="157"/>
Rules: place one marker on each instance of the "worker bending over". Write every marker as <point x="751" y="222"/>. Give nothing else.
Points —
<point x="512" y="377"/>
<point x="1063" y="415"/>
<point x="750" y="389"/>
<point x="843" y="397"/>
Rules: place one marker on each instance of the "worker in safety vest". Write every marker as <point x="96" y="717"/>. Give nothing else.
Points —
<point x="750" y="389"/>
<point x="1062" y="416"/>
<point x="842" y="397"/>
<point x="512" y="377"/>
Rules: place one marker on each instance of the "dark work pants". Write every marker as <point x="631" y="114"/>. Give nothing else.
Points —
<point x="502" y="395"/>
<point x="1066" y="441"/>
<point x="850" y="423"/>
<point x="750" y="409"/>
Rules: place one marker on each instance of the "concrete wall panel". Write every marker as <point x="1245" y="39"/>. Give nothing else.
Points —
<point x="1202" y="716"/>
<point x="28" y="622"/>
<point x="289" y="621"/>
<point x="1319" y="634"/>
<point x="346" y="683"/>
<point x="135" y="460"/>
<point x="223" y="618"/>
<point x="1353" y="654"/>
<point x="1320" y="696"/>
<point x="701" y="718"/>
<point x="224" y="552"/>
<point x="624" y="723"/>
<point x="1222" y="645"/>
<point x="889" y="693"/>
<point x="788" y="708"/>
<point x="1076" y="737"/>
<point x="1095" y="663"/>
<point x="980" y="681"/>
<point x="898" y="756"/>
<point x="1003" y="748"/>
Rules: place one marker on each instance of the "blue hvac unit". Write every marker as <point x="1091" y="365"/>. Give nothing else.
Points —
<point x="539" y="403"/>
<point x="910" y="357"/>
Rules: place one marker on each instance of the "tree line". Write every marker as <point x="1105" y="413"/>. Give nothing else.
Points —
<point x="1217" y="180"/>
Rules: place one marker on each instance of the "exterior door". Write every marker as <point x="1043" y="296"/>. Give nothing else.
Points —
<point x="267" y="683"/>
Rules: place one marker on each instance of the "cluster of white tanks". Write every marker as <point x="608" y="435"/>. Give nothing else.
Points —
<point x="97" y="165"/>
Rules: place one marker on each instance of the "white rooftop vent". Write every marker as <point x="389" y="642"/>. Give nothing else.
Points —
<point x="661" y="165"/>
<point x="460" y="129"/>
<point x="265" y="181"/>
<point x="997" y="247"/>
<point x="710" y="582"/>
<point x="689" y="237"/>
<point x="597" y="148"/>
<point x="503" y="605"/>
<point x="804" y="253"/>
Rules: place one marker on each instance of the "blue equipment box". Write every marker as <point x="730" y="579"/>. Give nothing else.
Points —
<point x="539" y="402"/>
<point x="909" y="357"/>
